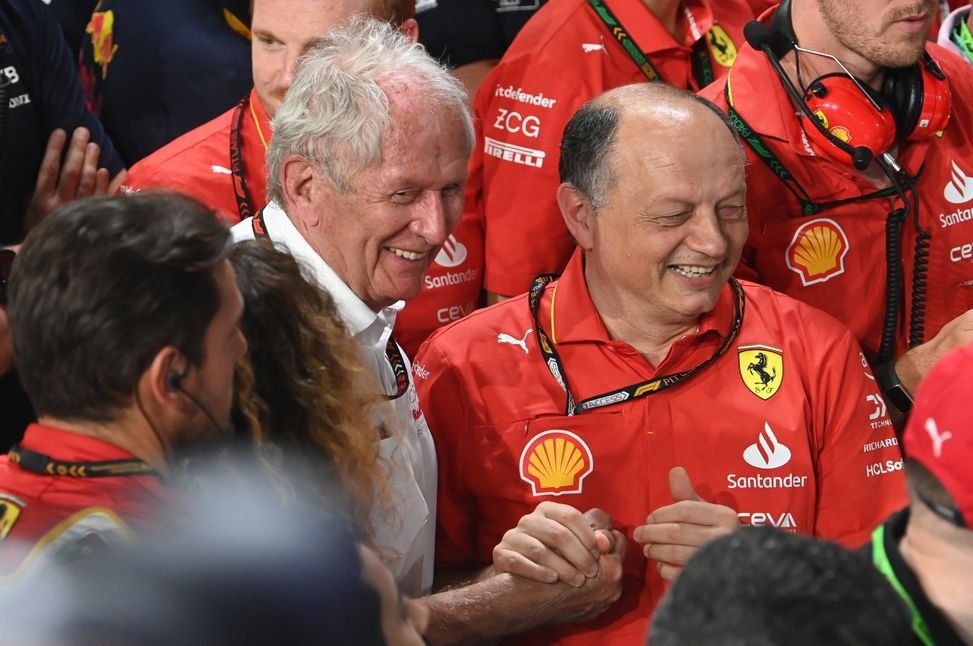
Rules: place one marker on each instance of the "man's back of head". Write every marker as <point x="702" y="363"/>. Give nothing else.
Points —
<point x="100" y="287"/>
<point x="761" y="586"/>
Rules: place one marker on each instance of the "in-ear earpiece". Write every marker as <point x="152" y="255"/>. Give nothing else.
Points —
<point x="174" y="381"/>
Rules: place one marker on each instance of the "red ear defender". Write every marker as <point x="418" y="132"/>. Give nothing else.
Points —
<point x="848" y="114"/>
<point x="936" y="100"/>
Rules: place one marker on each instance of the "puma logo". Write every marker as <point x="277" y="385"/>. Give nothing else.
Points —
<point x="506" y="338"/>
<point x="593" y="47"/>
<point x="938" y="439"/>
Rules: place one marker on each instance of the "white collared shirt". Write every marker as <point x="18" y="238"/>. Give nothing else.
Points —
<point x="406" y="542"/>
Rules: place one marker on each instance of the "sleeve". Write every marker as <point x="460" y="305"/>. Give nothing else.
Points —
<point x="62" y="101"/>
<point x="444" y="405"/>
<point x="859" y="465"/>
<point x="522" y="111"/>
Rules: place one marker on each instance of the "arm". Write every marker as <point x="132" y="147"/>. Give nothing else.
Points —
<point x="917" y="362"/>
<point x="858" y="467"/>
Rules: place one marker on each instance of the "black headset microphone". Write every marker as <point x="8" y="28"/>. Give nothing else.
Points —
<point x="174" y="381"/>
<point x="760" y="38"/>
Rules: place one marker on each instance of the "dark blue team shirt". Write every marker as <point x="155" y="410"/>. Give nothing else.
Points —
<point x="43" y="92"/>
<point x="166" y="67"/>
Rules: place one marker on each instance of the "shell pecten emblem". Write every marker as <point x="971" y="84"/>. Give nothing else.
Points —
<point x="817" y="251"/>
<point x="555" y="463"/>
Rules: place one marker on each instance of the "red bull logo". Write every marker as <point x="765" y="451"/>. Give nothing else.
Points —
<point x="103" y="46"/>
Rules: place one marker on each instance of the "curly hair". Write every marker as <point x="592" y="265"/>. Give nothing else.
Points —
<point x="303" y="387"/>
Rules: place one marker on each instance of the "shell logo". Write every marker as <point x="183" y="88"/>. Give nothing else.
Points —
<point x="555" y="463"/>
<point x="817" y="251"/>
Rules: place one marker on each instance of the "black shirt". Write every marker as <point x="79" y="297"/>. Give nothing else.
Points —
<point x="458" y="32"/>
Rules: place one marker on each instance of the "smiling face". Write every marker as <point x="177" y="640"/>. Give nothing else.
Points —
<point x="283" y="30"/>
<point x="673" y="225"/>
<point x="381" y="235"/>
<point x="887" y="33"/>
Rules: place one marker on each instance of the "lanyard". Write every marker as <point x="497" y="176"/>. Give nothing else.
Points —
<point x="777" y="167"/>
<point x="244" y="203"/>
<point x="701" y="61"/>
<point x="44" y="465"/>
<point x="635" y="391"/>
<point x="392" y="351"/>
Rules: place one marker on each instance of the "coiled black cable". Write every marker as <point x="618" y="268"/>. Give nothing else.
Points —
<point x="893" y="284"/>
<point x="920" y="273"/>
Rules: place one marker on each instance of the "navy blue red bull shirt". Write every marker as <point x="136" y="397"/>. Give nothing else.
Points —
<point x="41" y="89"/>
<point x="155" y="70"/>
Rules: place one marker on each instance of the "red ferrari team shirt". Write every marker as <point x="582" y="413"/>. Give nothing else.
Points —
<point x="787" y="428"/>
<point x="48" y="516"/>
<point x="563" y="57"/>
<point x="835" y="259"/>
<point x="199" y="164"/>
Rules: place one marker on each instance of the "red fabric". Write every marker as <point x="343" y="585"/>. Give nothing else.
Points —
<point x="198" y="164"/>
<point x="854" y="289"/>
<point x="562" y="58"/>
<point x="35" y="506"/>
<point x="486" y="399"/>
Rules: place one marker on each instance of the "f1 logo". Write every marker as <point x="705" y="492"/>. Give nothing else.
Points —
<point x="879" y="403"/>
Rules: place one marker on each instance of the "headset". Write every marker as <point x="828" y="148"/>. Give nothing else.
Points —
<point x="174" y="381"/>
<point x="853" y="124"/>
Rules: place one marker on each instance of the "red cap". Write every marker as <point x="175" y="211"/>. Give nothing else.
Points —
<point x="940" y="433"/>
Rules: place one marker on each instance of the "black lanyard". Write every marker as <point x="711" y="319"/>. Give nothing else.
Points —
<point x="244" y="203"/>
<point x="777" y="167"/>
<point x="44" y="465"/>
<point x="701" y="61"/>
<point x="628" y="393"/>
<point x="392" y="351"/>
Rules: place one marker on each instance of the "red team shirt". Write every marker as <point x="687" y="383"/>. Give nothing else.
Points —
<point x="799" y="439"/>
<point x="835" y="259"/>
<point x="47" y="515"/>
<point x="562" y="58"/>
<point x="198" y="164"/>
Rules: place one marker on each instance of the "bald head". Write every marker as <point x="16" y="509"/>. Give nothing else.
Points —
<point x="656" y="113"/>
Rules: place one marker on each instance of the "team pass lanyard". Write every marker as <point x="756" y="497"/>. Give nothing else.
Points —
<point x="635" y="391"/>
<point x="392" y="351"/>
<point x="701" y="61"/>
<point x="41" y="464"/>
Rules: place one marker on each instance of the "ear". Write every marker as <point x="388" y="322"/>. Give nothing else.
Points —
<point x="297" y="179"/>
<point x="411" y="29"/>
<point x="577" y="213"/>
<point x="156" y="381"/>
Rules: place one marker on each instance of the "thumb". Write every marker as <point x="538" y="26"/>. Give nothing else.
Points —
<point x="680" y="486"/>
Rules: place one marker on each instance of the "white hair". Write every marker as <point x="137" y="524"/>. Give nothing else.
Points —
<point x="336" y="110"/>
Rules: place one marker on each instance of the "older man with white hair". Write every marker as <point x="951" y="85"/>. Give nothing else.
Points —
<point x="367" y="168"/>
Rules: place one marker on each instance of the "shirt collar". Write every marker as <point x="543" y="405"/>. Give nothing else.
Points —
<point x="573" y="318"/>
<point x="358" y="317"/>
<point x="67" y="446"/>
<point x="258" y="117"/>
<point x="646" y="30"/>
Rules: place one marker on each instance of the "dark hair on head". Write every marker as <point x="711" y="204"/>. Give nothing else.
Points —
<point x="591" y="135"/>
<point x="100" y="287"/>
<point x="926" y="489"/>
<point x="303" y="386"/>
<point x="588" y="139"/>
<point x="760" y="586"/>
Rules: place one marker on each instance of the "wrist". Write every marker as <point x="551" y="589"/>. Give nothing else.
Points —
<point x="898" y="386"/>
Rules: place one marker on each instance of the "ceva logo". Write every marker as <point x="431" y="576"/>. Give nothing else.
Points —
<point x="767" y="452"/>
<point x="453" y="253"/>
<point x="959" y="189"/>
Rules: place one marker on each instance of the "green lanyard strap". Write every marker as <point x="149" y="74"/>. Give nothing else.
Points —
<point x="701" y="61"/>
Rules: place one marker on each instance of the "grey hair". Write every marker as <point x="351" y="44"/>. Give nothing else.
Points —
<point x="337" y="110"/>
<point x="591" y="134"/>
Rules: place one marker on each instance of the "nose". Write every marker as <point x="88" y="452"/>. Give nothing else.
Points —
<point x="706" y="234"/>
<point x="290" y="70"/>
<point x="430" y="220"/>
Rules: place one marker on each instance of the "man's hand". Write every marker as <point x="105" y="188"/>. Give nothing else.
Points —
<point x="578" y="605"/>
<point x="555" y="542"/>
<point x="58" y="184"/>
<point x="672" y="534"/>
<point x="912" y="366"/>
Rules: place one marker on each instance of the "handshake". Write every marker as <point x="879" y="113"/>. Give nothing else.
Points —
<point x="583" y="554"/>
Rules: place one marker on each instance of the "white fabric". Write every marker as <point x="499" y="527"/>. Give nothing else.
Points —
<point x="407" y="540"/>
<point x="946" y="28"/>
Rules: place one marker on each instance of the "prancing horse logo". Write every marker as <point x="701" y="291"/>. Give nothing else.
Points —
<point x="762" y="369"/>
